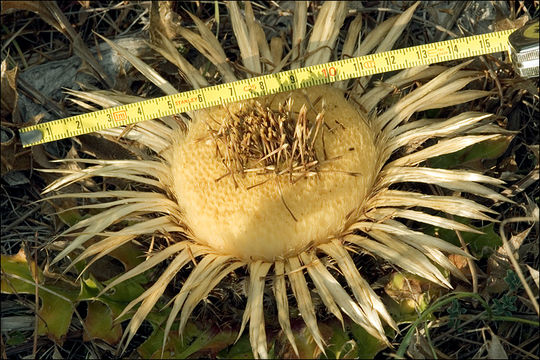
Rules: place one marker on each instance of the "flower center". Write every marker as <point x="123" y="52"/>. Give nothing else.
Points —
<point x="259" y="139"/>
<point x="268" y="179"/>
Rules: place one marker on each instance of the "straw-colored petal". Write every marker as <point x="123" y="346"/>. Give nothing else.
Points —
<point x="352" y="38"/>
<point x="325" y="32"/>
<point x="429" y="245"/>
<point x="303" y="298"/>
<point x="117" y="212"/>
<point x="189" y="72"/>
<point x="490" y="129"/>
<point x="403" y="255"/>
<point x="110" y="204"/>
<point x="369" y="302"/>
<point x="257" y="334"/>
<point x="150" y="297"/>
<point x="195" y="277"/>
<point x="265" y="53"/>
<point x="326" y="297"/>
<point x="420" y="217"/>
<point x="128" y="169"/>
<point x="110" y="243"/>
<point x="396" y="174"/>
<point x="372" y="97"/>
<point x="421" y="130"/>
<point x="150" y="262"/>
<point x="150" y="133"/>
<point x="207" y="44"/>
<point x="144" y="68"/>
<point x="97" y="223"/>
<point x="104" y="98"/>
<point x="246" y="40"/>
<point x="257" y="37"/>
<point x="404" y="233"/>
<point x="282" y="304"/>
<point x="391" y="35"/>
<point x="350" y="44"/>
<point x="220" y="269"/>
<point x="457" y="180"/>
<point x="375" y="36"/>
<point x="298" y="33"/>
<point x="397" y="28"/>
<point x="119" y="194"/>
<point x="405" y="112"/>
<point x="417" y="97"/>
<point x="276" y="50"/>
<point x="454" y="205"/>
<point x="345" y="302"/>
<point x="443" y="147"/>
<point x="457" y="98"/>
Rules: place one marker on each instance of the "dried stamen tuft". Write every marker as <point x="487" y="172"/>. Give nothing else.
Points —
<point x="263" y="140"/>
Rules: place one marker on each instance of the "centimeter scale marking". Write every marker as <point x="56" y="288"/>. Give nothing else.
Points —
<point x="453" y="49"/>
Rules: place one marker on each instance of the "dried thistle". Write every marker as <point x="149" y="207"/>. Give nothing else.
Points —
<point x="310" y="179"/>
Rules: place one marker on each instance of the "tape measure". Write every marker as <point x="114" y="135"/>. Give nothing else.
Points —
<point x="290" y="80"/>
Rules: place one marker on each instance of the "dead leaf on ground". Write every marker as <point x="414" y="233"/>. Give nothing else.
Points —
<point x="506" y="24"/>
<point x="499" y="263"/>
<point x="51" y="13"/>
<point x="10" y="97"/>
<point x="534" y="275"/>
<point x="164" y="19"/>
<point x="495" y="350"/>
<point x="461" y="263"/>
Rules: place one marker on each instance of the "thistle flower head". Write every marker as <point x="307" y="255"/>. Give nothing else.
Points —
<point x="257" y="180"/>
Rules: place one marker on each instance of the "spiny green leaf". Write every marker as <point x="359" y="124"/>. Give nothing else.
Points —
<point x="99" y="324"/>
<point x="56" y="306"/>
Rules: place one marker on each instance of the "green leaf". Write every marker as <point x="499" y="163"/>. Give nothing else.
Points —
<point x="55" y="315"/>
<point x="481" y="245"/>
<point x="15" y="338"/>
<point x="505" y="305"/>
<point x="194" y="340"/>
<point x="454" y="311"/>
<point x="340" y="344"/>
<point x="18" y="266"/>
<point x="129" y="255"/>
<point x="352" y="343"/>
<point x="368" y="346"/>
<point x="90" y="288"/>
<point x="70" y="217"/>
<point x="512" y="280"/>
<point x="240" y="350"/>
<point x="56" y="308"/>
<point x="117" y="298"/>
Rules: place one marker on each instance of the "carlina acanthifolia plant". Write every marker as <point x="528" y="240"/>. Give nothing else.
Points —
<point x="288" y="186"/>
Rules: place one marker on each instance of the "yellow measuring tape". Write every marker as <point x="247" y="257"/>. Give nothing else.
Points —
<point x="265" y="85"/>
